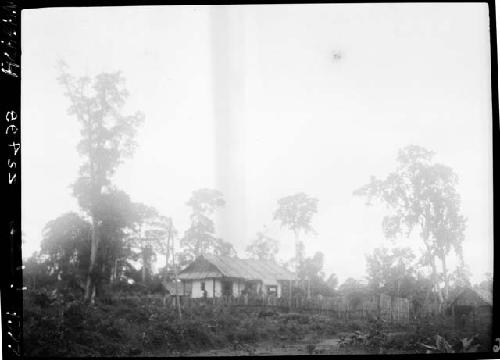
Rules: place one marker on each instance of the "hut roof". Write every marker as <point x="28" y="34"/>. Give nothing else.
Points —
<point x="482" y="297"/>
<point x="212" y="266"/>
<point x="486" y="296"/>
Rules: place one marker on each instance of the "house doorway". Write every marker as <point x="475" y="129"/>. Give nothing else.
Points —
<point x="227" y="288"/>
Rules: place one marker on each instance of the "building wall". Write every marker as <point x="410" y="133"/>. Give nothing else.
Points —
<point x="218" y="288"/>
<point x="237" y="287"/>
<point x="196" y="291"/>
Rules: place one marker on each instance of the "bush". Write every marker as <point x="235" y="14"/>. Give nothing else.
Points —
<point x="59" y="327"/>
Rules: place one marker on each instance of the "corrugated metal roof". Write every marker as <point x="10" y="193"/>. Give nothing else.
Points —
<point x="247" y="269"/>
<point x="269" y="270"/>
<point x="188" y="275"/>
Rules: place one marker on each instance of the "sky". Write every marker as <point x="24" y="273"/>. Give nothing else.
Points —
<point x="265" y="101"/>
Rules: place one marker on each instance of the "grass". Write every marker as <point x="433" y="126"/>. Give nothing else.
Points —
<point x="141" y="328"/>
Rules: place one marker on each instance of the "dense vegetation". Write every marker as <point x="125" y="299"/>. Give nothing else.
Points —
<point x="148" y="328"/>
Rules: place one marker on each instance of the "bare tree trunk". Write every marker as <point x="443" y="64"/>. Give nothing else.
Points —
<point x="143" y="267"/>
<point x="92" y="297"/>
<point x="433" y="264"/>
<point x="445" y="274"/>
<point x="178" y="302"/>
<point x="167" y="254"/>
<point x="436" y="283"/>
<point x="143" y="251"/>
<point x="115" y="270"/>
<point x="94" y="242"/>
<point x="297" y="251"/>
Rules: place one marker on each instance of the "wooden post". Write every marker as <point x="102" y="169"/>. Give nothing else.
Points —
<point x="290" y="292"/>
<point x="176" y="298"/>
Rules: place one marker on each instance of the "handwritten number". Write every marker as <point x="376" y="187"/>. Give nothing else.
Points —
<point x="16" y="147"/>
<point x="11" y="116"/>
<point x="496" y="348"/>
<point x="12" y="178"/>
<point x="14" y="131"/>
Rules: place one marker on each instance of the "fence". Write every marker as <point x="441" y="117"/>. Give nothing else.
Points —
<point x="388" y="308"/>
<point x="394" y="308"/>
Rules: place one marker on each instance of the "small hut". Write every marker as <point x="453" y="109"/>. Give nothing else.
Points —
<point x="472" y="306"/>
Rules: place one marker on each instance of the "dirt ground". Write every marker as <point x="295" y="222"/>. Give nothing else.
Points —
<point x="310" y="344"/>
<point x="395" y="340"/>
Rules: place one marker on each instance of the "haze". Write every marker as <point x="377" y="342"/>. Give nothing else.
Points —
<point x="265" y="101"/>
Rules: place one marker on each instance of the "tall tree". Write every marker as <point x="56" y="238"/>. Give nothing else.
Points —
<point x="200" y="237"/>
<point x="311" y="271"/>
<point x="263" y="247"/>
<point x="311" y="268"/>
<point x="117" y="220"/>
<point x="146" y="242"/>
<point x="295" y="212"/>
<point x="422" y="196"/>
<point x="158" y="234"/>
<point x="164" y="232"/>
<point x="391" y="271"/>
<point x="107" y="137"/>
<point x="460" y="277"/>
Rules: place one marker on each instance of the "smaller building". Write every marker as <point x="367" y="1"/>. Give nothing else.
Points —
<point x="215" y="276"/>
<point x="472" y="306"/>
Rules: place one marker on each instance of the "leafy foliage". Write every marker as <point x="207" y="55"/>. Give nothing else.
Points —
<point x="66" y="246"/>
<point x="392" y="271"/>
<point x="263" y="247"/>
<point x="200" y="237"/>
<point x="108" y="136"/>
<point x="421" y="195"/>
<point x="295" y="212"/>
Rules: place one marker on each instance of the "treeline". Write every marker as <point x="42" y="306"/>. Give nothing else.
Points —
<point x="113" y="242"/>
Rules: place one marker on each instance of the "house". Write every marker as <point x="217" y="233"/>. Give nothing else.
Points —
<point x="214" y="276"/>
<point x="472" y="305"/>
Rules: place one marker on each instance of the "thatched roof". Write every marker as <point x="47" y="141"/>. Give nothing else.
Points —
<point x="474" y="296"/>
<point x="212" y="266"/>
